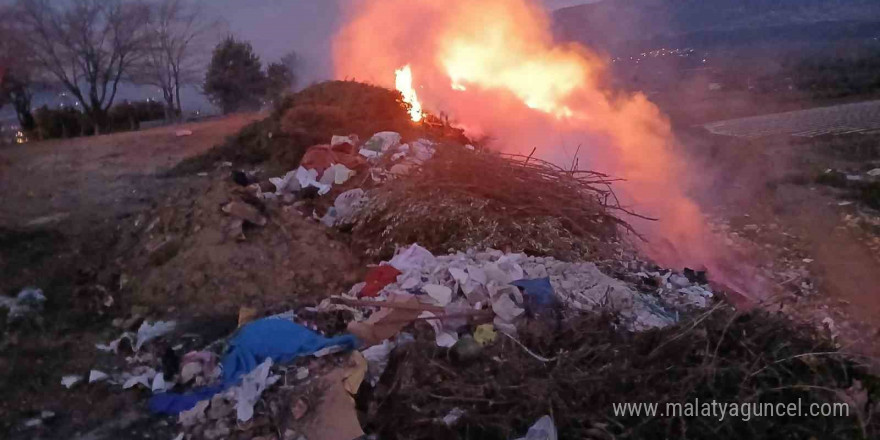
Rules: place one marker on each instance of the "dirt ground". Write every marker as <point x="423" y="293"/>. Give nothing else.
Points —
<point x="762" y="192"/>
<point x="106" y="234"/>
<point x="83" y="219"/>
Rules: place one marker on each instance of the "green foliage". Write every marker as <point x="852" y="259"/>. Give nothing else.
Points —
<point x="309" y="117"/>
<point x="128" y="115"/>
<point x="848" y="74"/>
<point x="279" y="80"/>
<point x="235" y="80"/>
<point x="60" y="123"/>
<point x="69" y="122"/>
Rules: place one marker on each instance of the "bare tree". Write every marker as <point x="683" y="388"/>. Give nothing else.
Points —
<point x="87" y="47"/>
<point x="18" y="75"/>
<point x="178" y="32"/>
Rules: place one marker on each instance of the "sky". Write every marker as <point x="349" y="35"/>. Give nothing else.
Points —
<point x="274" y="28"/>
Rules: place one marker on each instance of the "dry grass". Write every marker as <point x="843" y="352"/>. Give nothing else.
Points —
<point x="463" y="199"/>
<point x="720" y="355"/>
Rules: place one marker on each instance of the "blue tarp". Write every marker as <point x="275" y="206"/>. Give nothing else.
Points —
<point x="539" y="292"/>
<point x="279" y="339"/>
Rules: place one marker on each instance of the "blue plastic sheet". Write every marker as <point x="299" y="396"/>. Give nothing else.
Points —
<point x="539" y="293"/>
<point x="279" y="339"/>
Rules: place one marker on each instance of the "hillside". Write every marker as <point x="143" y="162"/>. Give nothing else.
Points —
<point x="615" y="24"/>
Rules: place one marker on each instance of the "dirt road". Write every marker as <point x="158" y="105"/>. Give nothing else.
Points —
<point x="43" y="183"/>
<point x="837" y="119"/>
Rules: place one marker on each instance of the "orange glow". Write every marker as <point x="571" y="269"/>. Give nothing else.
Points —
<point x="494" y="67"/>
<point x="404" y="84"/>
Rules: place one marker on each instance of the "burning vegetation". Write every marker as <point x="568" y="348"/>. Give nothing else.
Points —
<point x="495" y="67"/>
<point x="471" y="286"/>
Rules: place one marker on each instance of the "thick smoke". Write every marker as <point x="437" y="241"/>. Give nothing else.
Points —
<point x="494" y="67"/>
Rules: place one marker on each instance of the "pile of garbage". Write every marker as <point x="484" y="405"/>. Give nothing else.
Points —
<point x="508" y="287"/>
<point x="345" y="167"/>
<point x="478" y="341"/>
<point x="468" y="300"/>
<point x="390" y="193"/>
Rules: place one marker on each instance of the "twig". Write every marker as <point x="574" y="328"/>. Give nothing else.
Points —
<point x="530" y="352"/>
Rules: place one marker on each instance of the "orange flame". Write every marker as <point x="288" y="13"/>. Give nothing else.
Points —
<point x="404" y="84"/>
<point x="495" y="67"/>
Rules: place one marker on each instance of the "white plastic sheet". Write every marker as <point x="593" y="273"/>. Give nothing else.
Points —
<point x="543" y="429"/>
<point x="252" y="386"/>
<point x="414" y="257"/>
<point x="147" y="332"/>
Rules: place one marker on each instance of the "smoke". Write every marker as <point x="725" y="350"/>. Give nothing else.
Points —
<point x="494" y="66"/>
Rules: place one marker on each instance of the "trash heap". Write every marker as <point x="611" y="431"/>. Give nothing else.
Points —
<point x="345" y="166"/>
<point x="284" y="364"/>
<point x="504" y="288"/>
<point x="504" y="305"/>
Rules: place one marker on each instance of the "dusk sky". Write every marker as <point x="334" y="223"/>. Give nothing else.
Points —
<point x="274" y="28"/>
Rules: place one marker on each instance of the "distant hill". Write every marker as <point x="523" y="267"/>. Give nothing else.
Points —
<point x="616" y="25"/>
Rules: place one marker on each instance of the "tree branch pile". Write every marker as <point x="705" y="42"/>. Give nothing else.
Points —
<point x="720" y="356"/>
<point x="462" y="199"/>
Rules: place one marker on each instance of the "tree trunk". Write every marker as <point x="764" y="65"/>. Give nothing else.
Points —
<point x="21" y="100"/>
<point x="177" y="94"/>
<point x="169" y="107"/>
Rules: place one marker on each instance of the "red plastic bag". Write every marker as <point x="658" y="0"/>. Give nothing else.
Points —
<point x="377" y="279"/>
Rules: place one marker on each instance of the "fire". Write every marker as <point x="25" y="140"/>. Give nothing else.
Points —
<point x="494" y="66"/>
<point x="404" y="84"/>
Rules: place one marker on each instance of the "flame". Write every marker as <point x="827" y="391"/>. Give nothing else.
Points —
<point x="403" y="83"/>
<point x="495" y="67"/>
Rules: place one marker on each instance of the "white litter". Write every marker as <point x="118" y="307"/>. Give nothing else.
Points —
<point x="252" y="386"/>
<point x="383" y="141"/>
<point x="348" y="204"/>
<point x="414" y="257"/>
<point x="193" y="415"/>
<point x="441" y="295"/>
<point x="158" y="383"/>
<point x="97" y="376"/>
<point x="70" y="381"/>
<point x="307" y="178"/>
<point x="287" y="184"/>
<point x="143" y="376"/>
<point x="182" y="133"/>
<point x="377" y="360"/>
<point x="113" y="346"/>
<point x="444" y="337"/>
<point x="483" y="278"/>
<point x="147" y="332"/>
<point x="302" y="373"/>
<point x="341" y="173"/>
<point x="506" y="309"/>
<point x="368" y="153"/>
<point x="543" y="429"/>
<point x="338" y="140"/>
<point x="422" y="150"/>
<point x="453" y="416"/>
